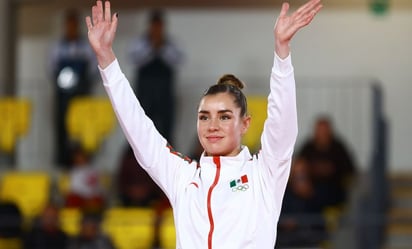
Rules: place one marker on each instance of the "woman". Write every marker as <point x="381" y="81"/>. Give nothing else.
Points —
<point x="230" y="199"/>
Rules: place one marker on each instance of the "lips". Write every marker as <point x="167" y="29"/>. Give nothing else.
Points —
<point x="213" y="139"/>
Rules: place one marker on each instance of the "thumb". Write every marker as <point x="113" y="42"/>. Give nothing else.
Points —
<point x="115" y="21"/>
<point x="89" y="23"/>
<point x="284" y="10"/>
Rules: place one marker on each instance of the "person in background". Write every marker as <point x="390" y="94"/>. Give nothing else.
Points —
<point x="46" y="232"/>
<point x="136" y="188"/>
<point x="331" y="165"/>
<point x="301" y="222"/>
<point x="156" y="58"/>
<point x="85" y="186"/>
<point x="11" y="220"/>
<point x="72" y="67"/>
<point x="91" y="236"/>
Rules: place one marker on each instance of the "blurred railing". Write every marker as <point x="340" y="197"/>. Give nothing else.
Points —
<point x="364" y="223"/>
<point x="374" y="203"/>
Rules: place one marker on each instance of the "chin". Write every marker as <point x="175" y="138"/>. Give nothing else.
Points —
<point x="217" y="153"/>
<point x="214" y="153"/>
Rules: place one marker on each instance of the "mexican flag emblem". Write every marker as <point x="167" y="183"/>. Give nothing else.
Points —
<point x="239" y="184"/>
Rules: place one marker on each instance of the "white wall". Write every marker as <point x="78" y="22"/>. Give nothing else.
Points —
<point x="350" y="46"/>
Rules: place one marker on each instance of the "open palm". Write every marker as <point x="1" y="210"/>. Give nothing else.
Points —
<point x="101" y="30"/>
<point x="287" y="25"/>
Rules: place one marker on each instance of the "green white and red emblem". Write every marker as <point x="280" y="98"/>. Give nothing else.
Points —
<point x="240" y="184"/>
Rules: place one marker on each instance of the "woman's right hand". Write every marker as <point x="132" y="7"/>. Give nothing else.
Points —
<point x="101" y="32"/>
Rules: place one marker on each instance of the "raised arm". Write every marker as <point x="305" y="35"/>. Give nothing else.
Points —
<point x="149" y="147"/>
<point x="102" y="28"/>
<point x="281" y="128"/>
<point x="281" y="125"/>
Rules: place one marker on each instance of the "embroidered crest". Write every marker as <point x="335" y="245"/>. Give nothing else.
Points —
<point x="240" y="184"/>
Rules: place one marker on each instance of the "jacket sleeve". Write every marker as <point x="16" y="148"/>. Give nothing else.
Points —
<point x="280" y="128"/>
<point x="150" y="148"/>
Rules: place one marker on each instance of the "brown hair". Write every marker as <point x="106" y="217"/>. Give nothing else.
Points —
<point x="230" y="84"/>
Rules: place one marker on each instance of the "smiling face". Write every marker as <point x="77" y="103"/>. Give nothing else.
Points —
<point x="220" y="126"/>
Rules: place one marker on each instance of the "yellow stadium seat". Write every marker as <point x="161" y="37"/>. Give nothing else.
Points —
<point x="130" y="228"/>
<point x="257" y="106"/>
<point x="63" y="184"/>
<point x="167" y="231"/>
<point x="29" y="190"/>
<point x="10" y="243"/>
<point x="106" y="179"/>
<point x="70" y="220"/>
<point x="15" y="119"/>
<point x="332" y="216"/>
<point x="89" y="120"/>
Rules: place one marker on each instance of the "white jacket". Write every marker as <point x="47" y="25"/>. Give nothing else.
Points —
<point x="220" y="202"/>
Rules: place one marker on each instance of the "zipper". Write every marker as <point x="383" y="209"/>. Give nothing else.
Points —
<point x="216" y="160"/>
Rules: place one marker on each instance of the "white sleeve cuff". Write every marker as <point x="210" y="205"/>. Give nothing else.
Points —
<point x="110" y="74"/>
<point x="281" y="66"/>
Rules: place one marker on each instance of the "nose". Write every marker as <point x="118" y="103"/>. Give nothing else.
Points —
<point x="213" y="124"/>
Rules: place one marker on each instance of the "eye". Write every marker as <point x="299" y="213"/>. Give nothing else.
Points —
<point x="203" y="117"/>
<point x="225" y="117"/>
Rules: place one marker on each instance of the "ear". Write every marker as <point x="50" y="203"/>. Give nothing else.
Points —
<point x="245" y="123"/>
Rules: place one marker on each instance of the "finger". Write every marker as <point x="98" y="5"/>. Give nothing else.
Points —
<point x="314" y="11"/>
<point x="284" y="10"/>
<point x="308" y="6"/>
<point x="308" y="10"/>
<point x="107" y="11"/>
<point x="94" y="14"/>
<point x="308" y="17"/>
<point x="115" y="21"/>
<point x="89" y="23"/>
<point x="99" y="11"/>
<point x="318" y="8"/>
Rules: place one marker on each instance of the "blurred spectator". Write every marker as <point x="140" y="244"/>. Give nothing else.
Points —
<point x="46" y="232"/>
<point x="331" y="165"/>
<point x="301" y="223"/>
<point x="156" y="58"/>
<point x="136" y="188"/>
<point x="85" y="185"/>
<point x="90" y="236"/>
<point x="11" y="220"/>
<point x="72" y="65"/>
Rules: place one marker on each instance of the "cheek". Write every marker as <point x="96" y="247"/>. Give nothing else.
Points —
<point x="199" y="128"/>
<point x="235" y="131"/>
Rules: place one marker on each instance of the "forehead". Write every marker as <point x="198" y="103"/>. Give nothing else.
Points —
<point x="323" y="125"/>
<point x="219" y="101"/>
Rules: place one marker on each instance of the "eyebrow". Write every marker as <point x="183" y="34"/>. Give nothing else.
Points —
<point x="220" y="112"/>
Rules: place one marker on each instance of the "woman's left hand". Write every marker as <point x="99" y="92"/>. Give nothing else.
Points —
<point x="287" y="25"/>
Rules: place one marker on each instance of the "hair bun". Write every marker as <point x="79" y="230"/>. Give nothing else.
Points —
<point x="230" y="79"/>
